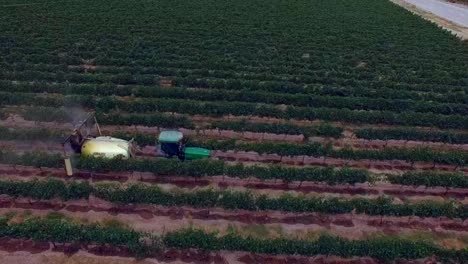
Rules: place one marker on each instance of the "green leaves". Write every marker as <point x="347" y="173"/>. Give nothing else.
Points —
<point x="382" y="248"/>
<point x="47" y="189"/>
<point x="222" y="108"/>
<point x="62" y="230"/>
<point x="65" y="231"/>
<point x="423" y="154"/>
<point x="31" y="134"/>
<point x="209" y="198"/>
<point x="196" y="168"/>
<point x="413" y="134"/>
<point x="431" y="179"/>
<point x="323" y="129"/>
<point x="36" y="159"/>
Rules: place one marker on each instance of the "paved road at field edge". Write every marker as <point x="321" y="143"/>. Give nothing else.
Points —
<point x="456" y="13"/>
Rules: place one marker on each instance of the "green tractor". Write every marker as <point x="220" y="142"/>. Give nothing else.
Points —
<point x="172" y="143"/>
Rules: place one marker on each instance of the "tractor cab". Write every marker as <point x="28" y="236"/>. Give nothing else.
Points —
<point x="172" y="144"/>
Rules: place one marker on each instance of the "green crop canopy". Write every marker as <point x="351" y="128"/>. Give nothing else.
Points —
<point x="170" y="136"/>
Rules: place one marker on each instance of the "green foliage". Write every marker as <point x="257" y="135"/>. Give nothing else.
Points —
<point x="196" y="168"/>
<point x="31" y="134"/>
<point x="366" y="62"/>
<point x="45" y="114"/>
<point x="36" y="159"/>
<point x="323" y="129"/>
<point x="413" y="134"/>
<point x="431" y="179"/>
<point x="455" y="157"/>
<point x="387" y="78"/>
<point x="385" y="248"/>
<point x="208" y="167"/>
<point x="154" y="119"/>
<point x="61" y="230"/>
<point x="47" y="189"/>
<point x="244" y="95"/>
<point x="169" y="121"/>
<point x="221" y="109"/>
<point x="144" y="194"/>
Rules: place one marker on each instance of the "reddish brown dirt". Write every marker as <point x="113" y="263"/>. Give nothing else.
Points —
<point x="26" y="172"/>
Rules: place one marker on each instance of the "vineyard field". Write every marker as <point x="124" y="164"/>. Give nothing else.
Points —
<point x="337" y="130"/>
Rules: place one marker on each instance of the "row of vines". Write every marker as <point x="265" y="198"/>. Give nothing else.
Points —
<point x="219" y="109"/>
<point x="231" y="200"/>
<point x="60" y="230"/>
<point x="215" y="168"/>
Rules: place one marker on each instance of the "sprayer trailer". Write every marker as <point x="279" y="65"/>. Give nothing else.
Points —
<point x="87" y="140"/>
<point x="106" y="147"/>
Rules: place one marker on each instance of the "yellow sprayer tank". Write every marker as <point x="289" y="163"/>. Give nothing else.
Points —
<point x="106" y="147"/>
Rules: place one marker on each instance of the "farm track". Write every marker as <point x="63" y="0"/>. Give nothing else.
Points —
<point x="149" y="212"/>
<point x="265" y="186"/>
<point x="349" y="139"/>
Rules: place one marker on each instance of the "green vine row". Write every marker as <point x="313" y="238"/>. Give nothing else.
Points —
<point x="353" y="103"/>
<point x="413" y="134"/>
<point x="219" y="109"/>
<point x="197" y="168"/>
<point x="47" y="114"/>
<point x="430" y="179"/>
<point x="58" y="229"/>
<point x="231" y="200"/>
<point x="424" y="154"/>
